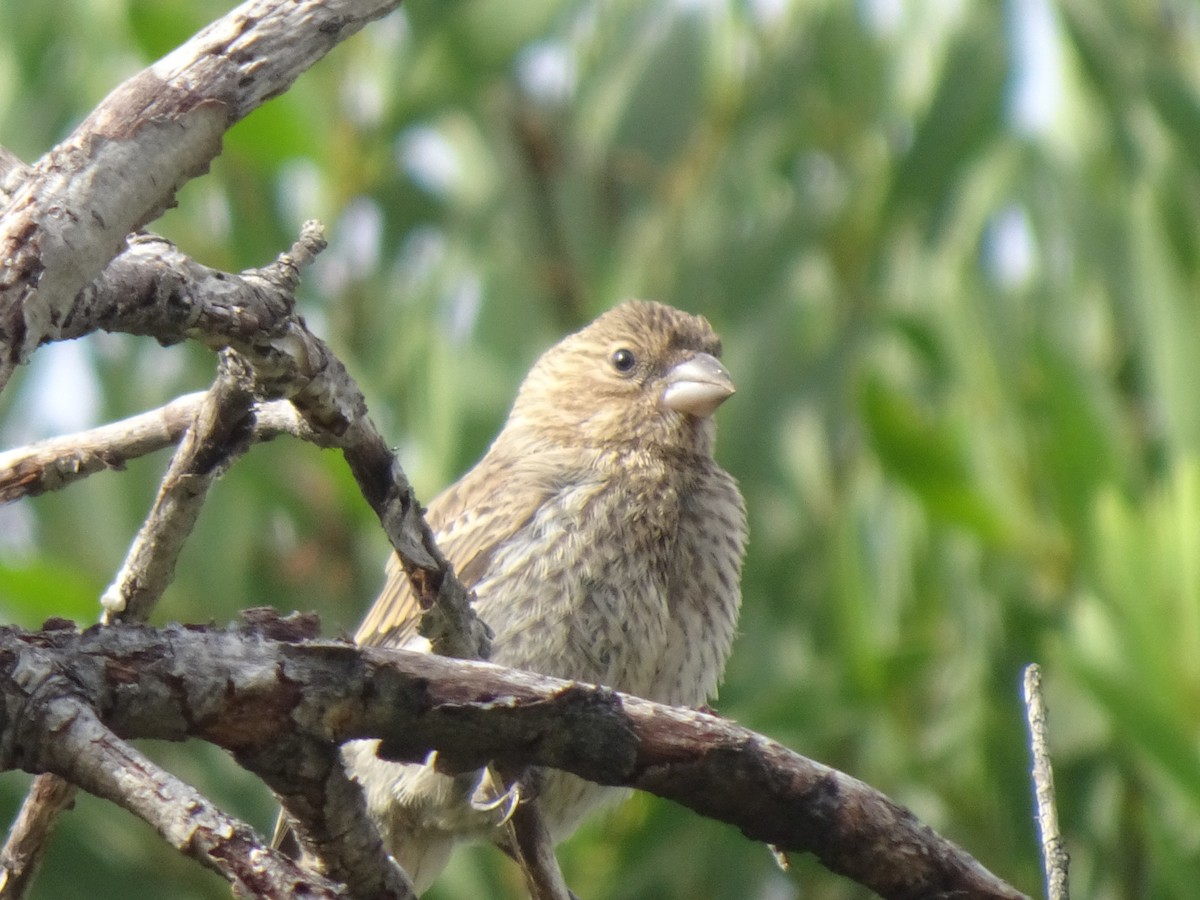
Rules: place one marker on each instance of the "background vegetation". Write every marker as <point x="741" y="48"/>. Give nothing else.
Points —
<point x="953" y="249"/>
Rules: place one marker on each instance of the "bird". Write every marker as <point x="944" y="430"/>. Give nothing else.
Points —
<point x="603" y="544"/>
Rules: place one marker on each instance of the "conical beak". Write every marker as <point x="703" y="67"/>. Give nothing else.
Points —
<point x="697" y="386"/>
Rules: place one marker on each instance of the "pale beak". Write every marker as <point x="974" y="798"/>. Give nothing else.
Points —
<point x="697" y="386"/>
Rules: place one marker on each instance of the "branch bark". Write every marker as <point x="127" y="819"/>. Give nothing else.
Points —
<point x="1054" y="851"/>
<point x="218" y="435"/>
<point x="56" y="730"/>
<point x="66" y="217"/>
<point x="244" y="690"/>
<point x="123" y="165"/>
<point x="56" y="463"/>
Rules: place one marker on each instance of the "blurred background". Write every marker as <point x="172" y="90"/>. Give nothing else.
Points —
<point x="953" y="248"/>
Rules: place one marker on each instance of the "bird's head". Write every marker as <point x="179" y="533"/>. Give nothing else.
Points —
<point x="643" y="375"/>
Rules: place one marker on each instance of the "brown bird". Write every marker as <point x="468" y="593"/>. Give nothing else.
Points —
<point x="603" y="544"/>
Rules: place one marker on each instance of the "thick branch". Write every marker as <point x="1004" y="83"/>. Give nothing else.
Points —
<point x="59" y="733"/>
<point x="242" y="691"/>
<point x="123" y="164"/>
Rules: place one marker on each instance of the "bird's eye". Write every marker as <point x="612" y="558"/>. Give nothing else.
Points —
<point x="623" y="360"/>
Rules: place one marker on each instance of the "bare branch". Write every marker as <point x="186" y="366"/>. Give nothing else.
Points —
<point x="122" y="166"/>
<point x="59" y="733"/>
<point x="30" y="834"/>
<point x="55" y="463"/>
<point x="153" y="290"/>
<point x="254" y="314"/>
<point x="1054" y="852"/>
<point x="255" y="306"/>
<point x="218" y="435"/>
<point x="530" y="844"/>
<point x="214" y="438"/>
<point x="242" y="690"/>
<point x="327" y="811"/>
<point x="65" y="218"/>
<point x="449" y="621"/>
<point x="220" y="430"/>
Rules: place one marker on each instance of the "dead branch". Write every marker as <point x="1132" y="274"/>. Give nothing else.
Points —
<point x="1054" y="852"/>
<point x="55" y="730"/>
<point x="219" y="432"/>
<point x="217" y="436"/>
<point x="123" y="165"/>
<point x="58" y="462"/>
<point x="243" y="690"/>
<point x="29" y="836"/>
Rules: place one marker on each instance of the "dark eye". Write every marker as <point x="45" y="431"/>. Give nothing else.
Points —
<point x="623" y="360"/>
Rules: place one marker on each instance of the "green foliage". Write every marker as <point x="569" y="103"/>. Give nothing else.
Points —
<point x="963" y="334"/>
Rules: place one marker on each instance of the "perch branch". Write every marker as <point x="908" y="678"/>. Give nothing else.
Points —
<point x="323" y="805"/>
<point x="242" y="689"/>
<point x="59" y="733"/>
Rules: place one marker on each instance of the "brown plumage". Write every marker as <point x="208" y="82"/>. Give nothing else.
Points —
<point x="603" y="543"/>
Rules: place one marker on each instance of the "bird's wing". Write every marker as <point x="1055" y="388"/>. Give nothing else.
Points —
<point x="470" y="520"/>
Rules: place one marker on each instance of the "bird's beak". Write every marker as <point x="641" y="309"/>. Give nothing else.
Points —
<point x="697" y="386"/>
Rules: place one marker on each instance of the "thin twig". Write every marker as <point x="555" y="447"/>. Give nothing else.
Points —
<point x="1054" y="852"/>
<point x="532" y="846"/>
<point x="30" y="833"/>
<point x="53" y="464"/>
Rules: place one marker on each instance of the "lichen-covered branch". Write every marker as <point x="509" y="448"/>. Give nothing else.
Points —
<point x="244" y="690"/>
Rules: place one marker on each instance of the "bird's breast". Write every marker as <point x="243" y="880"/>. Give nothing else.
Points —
<point x="581" y="593"/>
